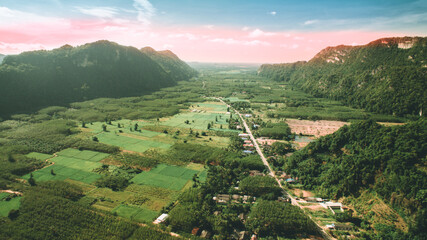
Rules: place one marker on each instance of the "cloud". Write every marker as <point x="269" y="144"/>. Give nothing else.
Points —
<point x="145" y="11"/>
<point x="101" y="12"/>
<point x="259" y="33"/>
<point x="167" y="46"/>
<point x="273" y="13"/>
<point x="14" y="17"/>
<point x="232" y="41"/>
<point x="211" y="27"/>
<point x="245" y="28"/>
<point x="189" y="36"/>
<point x="311" y="22"/>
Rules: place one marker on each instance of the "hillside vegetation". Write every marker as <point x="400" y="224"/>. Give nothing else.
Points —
<point x="385" y="76"/>
<point x="388" y="161"/>
<point x="68" y="74"/>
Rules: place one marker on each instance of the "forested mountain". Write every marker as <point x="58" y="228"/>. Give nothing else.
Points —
<point x="68" y="74"/>
<point x="366" y="157"/>
<point x="170" y="63"/>
<point x="2" y="57"/>
<point x="388" y="75"/>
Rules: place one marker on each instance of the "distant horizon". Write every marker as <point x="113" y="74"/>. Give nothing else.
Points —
<point x="273" y="31"/>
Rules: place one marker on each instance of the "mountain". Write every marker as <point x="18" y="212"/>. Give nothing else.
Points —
<point x="2" y="57"/>
<point x="385" y="76"/>
<point x="365" y="161"/>
<point x="32" y="80"/>
<point x="170" y="63"/>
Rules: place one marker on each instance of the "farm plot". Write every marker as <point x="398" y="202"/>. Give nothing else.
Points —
<point x="39" y="156"/>
<point x="71" y="164"/>
<point x="164" y="176"/>
<point x="130" y="143"/>
<point x="135" y="213"/>
<point x="6" y="205"/>
<point x="126" y="126"/>
<point x="197" y="120"/>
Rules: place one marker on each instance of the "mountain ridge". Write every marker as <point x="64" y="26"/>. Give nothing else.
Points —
<point x="385" y="76"/>
<point x="35" y="79"/>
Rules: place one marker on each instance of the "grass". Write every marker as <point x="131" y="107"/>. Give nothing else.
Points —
<point x="165" y="176"/>
<point x="7" y="206"/>
<point x="135" y="213"/>
<point x="84" y="155"/>
<point x="39" y="156"/>
<point x="130" y="143"/>
<point x="71" y="164"/>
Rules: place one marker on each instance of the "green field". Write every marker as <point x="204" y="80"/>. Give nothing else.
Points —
<point x="200" y="119"/>
<point x="127" y="126"/>
<point x="71" y="164"/>
<point x="6" y="206"/>
<point x="135" y="213"/>
<point x="130" y="143"/>
<point x="165" y="176"/>
<point x="39" y="156"/>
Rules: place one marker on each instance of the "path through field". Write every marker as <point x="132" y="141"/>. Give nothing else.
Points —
<point x="271" y="172"/>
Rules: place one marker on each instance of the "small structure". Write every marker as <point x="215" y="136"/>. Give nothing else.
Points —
<point x="238" y="127"/>
<point x="313" y="199"/>
<point x="247" y="152"/>
<point x="243" y="135"/>
<point x="253" y="173"/>
<point x="333" y="206"/>
<point x="205" y="234"/>
<point x="339" y="226"/>
<point x="195" y="231"/>
<point x="161" y="218"/>
<point x="248" y="115"/>
<point x="248" y="141"/>
<point x="290" y="180"/>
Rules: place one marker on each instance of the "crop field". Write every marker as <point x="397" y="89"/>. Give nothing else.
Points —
<point x="6" y="206"/>
<point x="135" y="213"/>
<point x="126" y="126"/>
<point x="164" y="176"/>
<point x="39" y="156"/>
<point x="71" y="164"/>
<point x="234" y="99"/>
<point x="130" y="143"/>
<point x="197" y="120"/>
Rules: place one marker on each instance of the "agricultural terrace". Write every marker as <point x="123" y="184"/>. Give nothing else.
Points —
<point x="70" y="164"/>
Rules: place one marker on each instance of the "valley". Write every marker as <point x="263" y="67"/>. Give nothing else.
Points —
<point x="226" y="154"/>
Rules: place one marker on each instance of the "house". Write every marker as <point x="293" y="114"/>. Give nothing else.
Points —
<point x="205" y="234"/>
<point x="195" y="231"/>
<point x="248" y="141"/>
<point x="333" y="206"/>
<point x="243" y="135"/>
<point x="255" y="173"/>
<point x="238" y="127"/>
<point x="339" y="226"/>
<point x="290" y="180"/>
<point x="313" y="199"/>
<point x="247" y="151"/>
<point x="161" y="218"/>
<point x="248" y="115"/>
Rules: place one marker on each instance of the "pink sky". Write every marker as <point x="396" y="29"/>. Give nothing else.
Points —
<point x="203" y="44"/>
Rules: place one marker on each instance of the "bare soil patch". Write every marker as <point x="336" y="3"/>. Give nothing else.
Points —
<point x="314" y="128"/>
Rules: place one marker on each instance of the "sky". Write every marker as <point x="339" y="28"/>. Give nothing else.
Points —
<point x="244" y="31"/>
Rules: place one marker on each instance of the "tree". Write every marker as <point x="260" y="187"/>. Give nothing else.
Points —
<point x="209" y="126"/>
<point x="83" y="124"/>
<point x="135" y="127"/>
<point x="52" y="172"/>
<point x="104" y="127"/>
<point x="31" y="180"/>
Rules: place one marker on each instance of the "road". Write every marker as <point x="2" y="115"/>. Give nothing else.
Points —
<point x="270" y="170"/>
